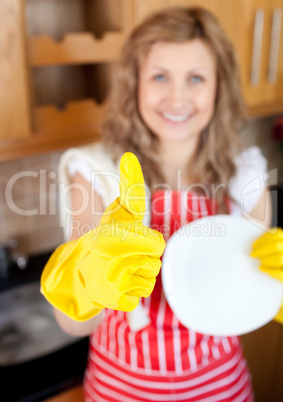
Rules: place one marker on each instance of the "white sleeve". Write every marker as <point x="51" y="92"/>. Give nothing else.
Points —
<point x="96" y="165"/>
<point x="248" y="184"/>
<point x="78" y="165"/>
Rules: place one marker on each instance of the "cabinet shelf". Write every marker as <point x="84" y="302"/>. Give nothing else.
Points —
<point x="74" y="48"/>
<point x="55" y="129"/>
<point x="85" y="114"/>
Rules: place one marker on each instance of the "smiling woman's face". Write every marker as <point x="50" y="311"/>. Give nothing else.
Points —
<point x="177" y="89"/>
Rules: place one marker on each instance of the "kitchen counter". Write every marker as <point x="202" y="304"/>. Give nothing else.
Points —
<point x="47" y="375"/>
<point x="72" y="395"/>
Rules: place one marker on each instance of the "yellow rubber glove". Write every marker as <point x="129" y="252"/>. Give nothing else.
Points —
<point x="269" y="249"/>
<point x="112" y="265"/>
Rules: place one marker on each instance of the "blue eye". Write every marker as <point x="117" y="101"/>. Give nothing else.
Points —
<point x="159" y="77"/>
<point x="196" y="79"/>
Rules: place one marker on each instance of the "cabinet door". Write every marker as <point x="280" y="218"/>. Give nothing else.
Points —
<point x="14" y="100"/>
<point x="261" y="53"/>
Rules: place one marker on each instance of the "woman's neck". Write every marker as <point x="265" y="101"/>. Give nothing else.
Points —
<point x="175" y="158"/>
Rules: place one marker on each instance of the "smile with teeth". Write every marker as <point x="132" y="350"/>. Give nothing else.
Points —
<point x="175" y="118"/>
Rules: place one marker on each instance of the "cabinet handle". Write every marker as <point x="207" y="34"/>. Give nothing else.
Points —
<point x="274" y="45"/>
<point x="257" y="44"/>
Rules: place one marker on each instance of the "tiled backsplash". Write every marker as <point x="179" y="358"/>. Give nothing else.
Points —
<point x="29" y="204"/>
<point x="29" y="208"/>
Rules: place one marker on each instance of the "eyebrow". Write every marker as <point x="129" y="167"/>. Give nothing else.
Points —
<point x="192" y="70"/>
<point x="158" y="68"/>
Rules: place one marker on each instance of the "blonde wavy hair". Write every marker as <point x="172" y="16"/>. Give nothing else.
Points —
<point x="124" y="129"/>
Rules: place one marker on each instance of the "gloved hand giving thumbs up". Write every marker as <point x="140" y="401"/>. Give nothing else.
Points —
<point x="112" y="265"/>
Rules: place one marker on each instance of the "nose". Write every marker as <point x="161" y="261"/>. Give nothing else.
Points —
<point x="178" y="94"/>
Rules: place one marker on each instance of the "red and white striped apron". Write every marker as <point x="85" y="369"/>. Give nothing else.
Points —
<point x="165" y="361"/>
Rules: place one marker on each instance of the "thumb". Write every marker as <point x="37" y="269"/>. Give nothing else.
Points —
<point x="132" y="188"/>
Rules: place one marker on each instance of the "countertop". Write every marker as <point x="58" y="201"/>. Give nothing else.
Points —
<point x="72" y="395"/>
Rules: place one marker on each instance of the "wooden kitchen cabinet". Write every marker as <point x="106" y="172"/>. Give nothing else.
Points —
<point x="15" y="119"/>
<point x="63" y="50"/>
<point x="263" y="349"/>
<point x="260" y="48"/>
<point x="57" y="58"/>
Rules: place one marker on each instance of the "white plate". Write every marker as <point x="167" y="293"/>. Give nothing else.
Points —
<point x="212" y="284"/>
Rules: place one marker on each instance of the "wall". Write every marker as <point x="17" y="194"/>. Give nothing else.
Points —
<point x="35" y="192"/>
